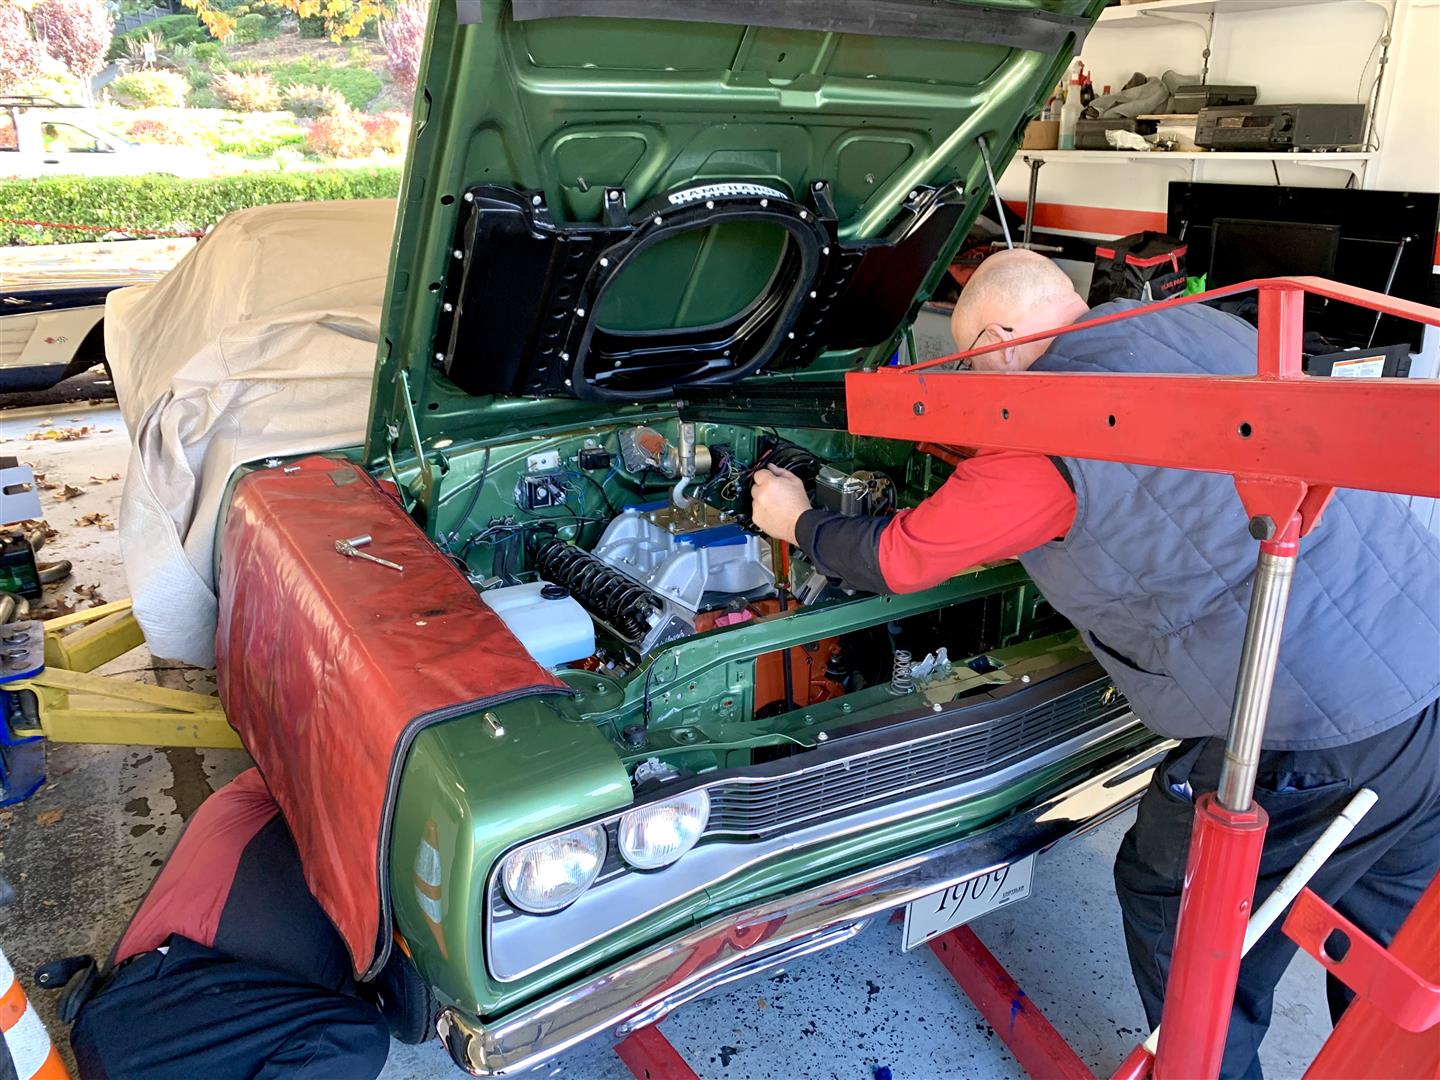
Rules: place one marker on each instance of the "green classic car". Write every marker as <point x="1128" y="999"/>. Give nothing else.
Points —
<point x="639" y="245"/>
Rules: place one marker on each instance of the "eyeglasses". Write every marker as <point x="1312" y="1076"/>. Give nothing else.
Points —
<point x="967" y="363"/>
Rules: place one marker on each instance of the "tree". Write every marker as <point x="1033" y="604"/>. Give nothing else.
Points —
<point x="403" y="35"/>
<point x="77" y="33"/>
<point x="20" y="54"/>
<point x="343" y="18"/>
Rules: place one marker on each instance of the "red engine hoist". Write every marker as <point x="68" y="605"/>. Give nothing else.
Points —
<point x="1289" y="441"/>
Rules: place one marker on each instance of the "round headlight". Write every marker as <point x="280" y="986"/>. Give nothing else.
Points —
<point x="552" y="873"/>
<point x="657" y="834"/>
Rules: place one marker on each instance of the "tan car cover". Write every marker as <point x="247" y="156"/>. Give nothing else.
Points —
<point x="261" y="342"/>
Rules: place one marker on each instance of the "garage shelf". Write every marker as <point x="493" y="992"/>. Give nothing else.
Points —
<point x="1131" y="16"/>
<point x="1301" y="157"/>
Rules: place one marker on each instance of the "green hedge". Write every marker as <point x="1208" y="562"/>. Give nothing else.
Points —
<point x="127" y="203"/>
<point x="183" y="29"/>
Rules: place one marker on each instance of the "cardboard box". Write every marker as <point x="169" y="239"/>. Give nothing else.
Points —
<point x="1041" y="135"/>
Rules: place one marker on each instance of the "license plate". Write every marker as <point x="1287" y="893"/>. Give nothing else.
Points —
<point x="933" y="915"/>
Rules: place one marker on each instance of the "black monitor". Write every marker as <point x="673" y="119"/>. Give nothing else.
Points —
<point x="1242" y="249"/>
<point x="1387" y="244"/>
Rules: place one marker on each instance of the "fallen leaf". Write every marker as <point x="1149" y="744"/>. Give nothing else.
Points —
<point x="67" y="492"/>
<point x="104" y="479"/>
<point x="106" y="430"/>
<point x="26" y="528"/>
<point x="6" y="817"/>
<point x="762" y="1003"/>
<point x="64" y="434"/>
<point x="49" y="817"/>
<point x="97" y="519"/>
<point x="91" y="593"/>
<point x="53" y="609"/>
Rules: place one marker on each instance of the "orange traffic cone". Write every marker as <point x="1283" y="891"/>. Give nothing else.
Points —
<point x="28" y="1044"/>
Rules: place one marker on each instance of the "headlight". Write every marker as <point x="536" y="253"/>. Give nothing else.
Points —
<point x="656" y="835"/>
<point x="552" y="873"/>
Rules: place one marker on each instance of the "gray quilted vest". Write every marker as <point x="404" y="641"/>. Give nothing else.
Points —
<point x="1156" y="571"/>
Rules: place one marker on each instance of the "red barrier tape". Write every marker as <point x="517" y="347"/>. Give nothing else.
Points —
<point x="98" y="228"/>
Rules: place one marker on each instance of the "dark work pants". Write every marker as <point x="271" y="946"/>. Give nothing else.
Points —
<point x="1374" y="879"/>
<point x="193" y="1012"/>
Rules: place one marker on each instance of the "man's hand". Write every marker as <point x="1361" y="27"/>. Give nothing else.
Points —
<point x="777" y="500"/>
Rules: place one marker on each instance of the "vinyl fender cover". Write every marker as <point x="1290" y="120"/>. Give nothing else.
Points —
<point x="329" y="666"/>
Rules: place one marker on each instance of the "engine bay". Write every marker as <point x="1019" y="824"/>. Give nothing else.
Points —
<point x="606" y="549"/>
<point x="646" y="533"/>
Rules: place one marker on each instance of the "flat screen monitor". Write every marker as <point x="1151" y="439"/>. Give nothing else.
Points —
<point x="1387" y="244"/>
<point x="1242" y="249"/>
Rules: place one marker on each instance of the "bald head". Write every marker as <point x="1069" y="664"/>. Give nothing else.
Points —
<point x="1013" y="294"/>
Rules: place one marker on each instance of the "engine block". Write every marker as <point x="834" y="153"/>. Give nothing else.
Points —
<point x="697" y="558"/>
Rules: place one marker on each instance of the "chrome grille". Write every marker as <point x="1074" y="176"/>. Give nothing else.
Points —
<point x="760" y="807"/>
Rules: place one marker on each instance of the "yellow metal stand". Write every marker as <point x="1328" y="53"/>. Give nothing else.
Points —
<point x="76" y="705"/>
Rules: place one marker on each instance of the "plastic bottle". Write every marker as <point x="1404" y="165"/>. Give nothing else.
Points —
<point x="1070" y="112"/>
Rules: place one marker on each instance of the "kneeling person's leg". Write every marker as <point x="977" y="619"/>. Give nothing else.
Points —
<point x="192" y="1011"/>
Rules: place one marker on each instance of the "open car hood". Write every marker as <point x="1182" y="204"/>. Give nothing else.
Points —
<point x="618" y="200"/>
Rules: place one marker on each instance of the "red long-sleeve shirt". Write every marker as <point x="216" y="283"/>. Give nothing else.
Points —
<point x="993" y="506"/>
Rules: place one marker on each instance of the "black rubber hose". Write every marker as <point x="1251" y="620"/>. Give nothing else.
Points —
<point x="50" y="573"/>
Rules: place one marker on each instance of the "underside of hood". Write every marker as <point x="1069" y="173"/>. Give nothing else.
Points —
<point x="619" y="200"/>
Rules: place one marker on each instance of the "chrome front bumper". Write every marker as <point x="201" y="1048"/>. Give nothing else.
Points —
<point x="644" y="989"/>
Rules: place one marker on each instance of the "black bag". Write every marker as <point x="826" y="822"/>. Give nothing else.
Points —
<point x="1144" y="266"/>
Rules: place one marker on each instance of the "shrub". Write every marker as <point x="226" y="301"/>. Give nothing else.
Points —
<point x="403" y="35"/>
<point x="258" y="142"/>
<point x="360" y="86"/>
<point x="342" y="135"/>
<point x="388" y="132"/>
<point x="303" y="99"/>
<point x="249" y="28"/>
<point x="75" y="32"/>
<point x="52" y="81"/>
<point x="150" y="130"/>
<point x="135" y="46"/>
<point x="246" y="93"/>
<point x="144" y="89"/>
<point x="168" y="204"/>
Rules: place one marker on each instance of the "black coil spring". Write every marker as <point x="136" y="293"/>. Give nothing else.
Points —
<point x="622" y="604"/>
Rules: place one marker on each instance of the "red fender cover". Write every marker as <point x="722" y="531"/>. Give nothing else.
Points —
<point x="329" y="666"/>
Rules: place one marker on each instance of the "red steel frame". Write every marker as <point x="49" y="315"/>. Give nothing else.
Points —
<point x="1289" y="441"/>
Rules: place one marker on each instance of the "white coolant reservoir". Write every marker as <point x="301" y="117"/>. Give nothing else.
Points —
<point x="549" y="622"/>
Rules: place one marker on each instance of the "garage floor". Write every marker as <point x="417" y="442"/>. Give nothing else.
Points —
<point x="81" y="853"/>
